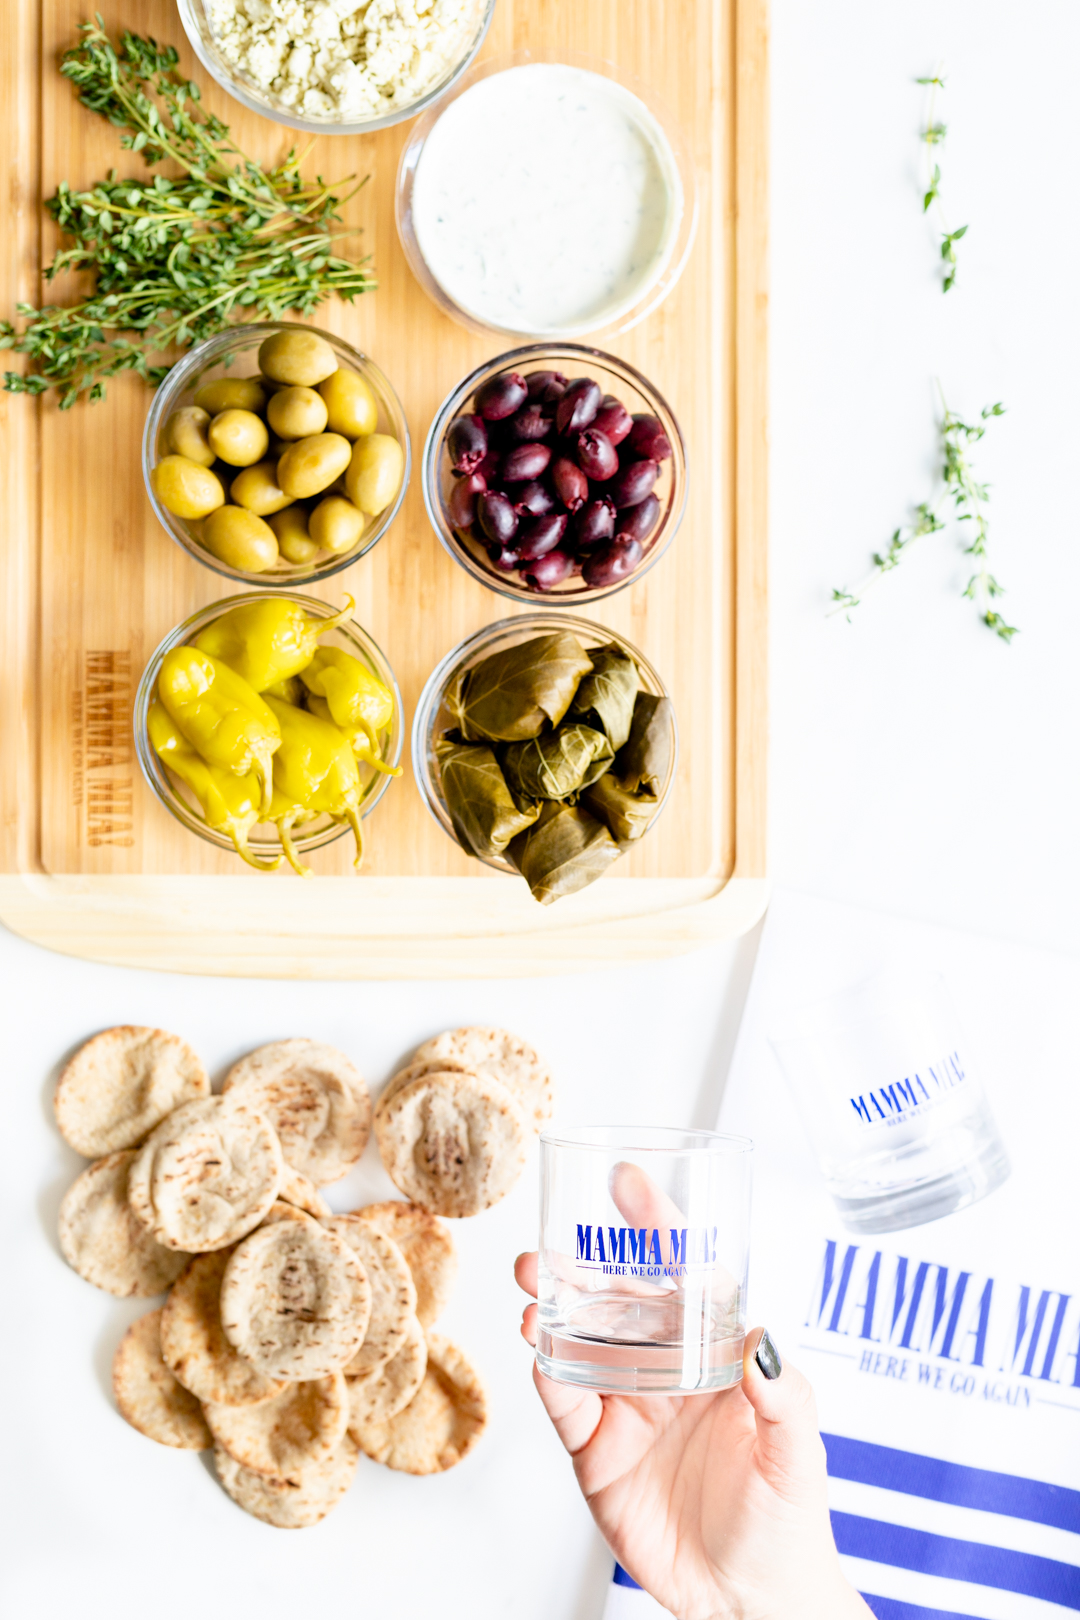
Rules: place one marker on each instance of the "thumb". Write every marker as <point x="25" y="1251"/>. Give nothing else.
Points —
<point x="789" y="1446"/>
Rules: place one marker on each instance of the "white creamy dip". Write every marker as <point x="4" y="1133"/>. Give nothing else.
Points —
<point x="546" y="200"/>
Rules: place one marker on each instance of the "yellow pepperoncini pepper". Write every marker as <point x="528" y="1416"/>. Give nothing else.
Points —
<point x="343" y="690"/>
<point x="314" y="774"/>
<point x="229" y="803"/>
<point x="268" y="641"/>
<point x="226" y="723"/>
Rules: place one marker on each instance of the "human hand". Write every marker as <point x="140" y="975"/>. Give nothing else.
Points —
<point x="715" y="1504"/>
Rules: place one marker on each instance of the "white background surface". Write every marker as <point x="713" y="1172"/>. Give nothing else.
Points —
<point x="918" y="765"/>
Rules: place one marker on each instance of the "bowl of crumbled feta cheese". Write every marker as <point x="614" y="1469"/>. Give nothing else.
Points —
<point x="336" y="66"/>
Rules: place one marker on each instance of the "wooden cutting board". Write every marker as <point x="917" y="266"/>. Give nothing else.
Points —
<point x="91" y="863"/>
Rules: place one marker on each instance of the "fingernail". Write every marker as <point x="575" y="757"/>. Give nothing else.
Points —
<point x="767" y="1357"/>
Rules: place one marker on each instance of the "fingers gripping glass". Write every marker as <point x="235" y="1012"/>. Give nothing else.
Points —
<point x="644" y="1242"/>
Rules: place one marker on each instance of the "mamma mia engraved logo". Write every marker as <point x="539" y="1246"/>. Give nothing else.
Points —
<point x="646" y="1251"/>
<point x="916" y="1092"/>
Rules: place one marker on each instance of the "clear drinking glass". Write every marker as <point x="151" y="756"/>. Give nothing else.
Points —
<point x="901" y="1126"/>
<point x="644" y="1243"/>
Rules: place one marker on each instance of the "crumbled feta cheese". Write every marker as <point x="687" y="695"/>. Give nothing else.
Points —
<point x="344" y="60"/>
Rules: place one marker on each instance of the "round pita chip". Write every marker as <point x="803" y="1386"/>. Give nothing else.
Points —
<point x="315" y="1099"/>
<point x="295" y="1301"/>
<point x="194" y="1345"/>
<point x="413" y="1071"/>
<point x="287" y="1504"/>
<point x="383" y="1393"/>
<point x="298" y="1190"/>
<point x="101" y="1239"/>
<point x="428" y="1249"/>
<point x="440" y="1425"/>
<point x="503" y="1057"/>
<point x="453" y="1142"/>
<point x="206" y="1175"/>
<point x="121" y="1084"/>
<point x="393" y="1292"/>
<point x="302" y="1426"/>
<point x="148" y="1395"/>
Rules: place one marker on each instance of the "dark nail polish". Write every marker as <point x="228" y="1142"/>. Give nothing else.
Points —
<point x="767" y="1357"/>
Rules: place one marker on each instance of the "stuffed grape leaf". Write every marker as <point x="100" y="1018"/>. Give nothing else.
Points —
<point x="605" y="698"/>
<point x="514" y="694"/>
<point x="625" y="815"/>
<point x="484" y="812"/>
<point x="565" y="850"/>
<point x="558" y="763"/>
<point x="644" y="761"/>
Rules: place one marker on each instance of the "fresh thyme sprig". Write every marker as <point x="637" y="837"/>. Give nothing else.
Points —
<point x="174" y="259"/>
<point x="967" y="497"/>
<point x="933" y="134"/>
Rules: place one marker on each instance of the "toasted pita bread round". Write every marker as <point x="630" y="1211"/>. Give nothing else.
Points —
<point x="453" y="1142"/>
<point x="393" y="1292"/>
<point x="376" y="1396"/>
<point x="147" y="1394"/>
<point x="194" y="1346"/>
<point x="302" y="1426"/>
<point x="428" y="1249"/>
<point x="122" y="1083"/>
<point x="206" y="1175"/>
<point x="413" y="1071"/>
<point x="101" y="1239"/>
<point x="505" y="1058"/>
<point x="281" y="1502"/>
<point x="298" y="1190"/>
<point x="315" y="1099"/>
<point x="440" y="1425"/>
<point x="295" y="1300"/>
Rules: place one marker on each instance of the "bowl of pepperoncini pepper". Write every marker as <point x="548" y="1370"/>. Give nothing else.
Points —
<point x="270" y="725"/>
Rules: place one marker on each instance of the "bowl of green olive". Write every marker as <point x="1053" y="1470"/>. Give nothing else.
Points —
<point x="276" y="454"/>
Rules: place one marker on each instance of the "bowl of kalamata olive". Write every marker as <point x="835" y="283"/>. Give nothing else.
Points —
<point x="555" y="471"/>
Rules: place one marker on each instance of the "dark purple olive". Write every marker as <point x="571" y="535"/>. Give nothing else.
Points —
<point x="613" y="419"/>
<point x="504" y="558"/>
<point x="497" y="517"/>
<point x="488" y="469"/>
<point x="578" y="405"/>
<point x="571" y="484"/>
<point x="466" y="443"/>
<point x="549" y="570"/>
<point x="534" y="498"/>
<point x="617" y="559"/>
<point x="633" y="482"/>
<point x="500" y="396"/>
<point x="525" y="461"/>
<point x="537" y="536"/>
<point x="546" y="386"/>
<point x="461" y="505"/>
<point x="637" y="522"/>
<point x="595" y="524"/>
<point x="530" y="423"/>
<point x="596" y="455"/>
<point x="648" y="439"/>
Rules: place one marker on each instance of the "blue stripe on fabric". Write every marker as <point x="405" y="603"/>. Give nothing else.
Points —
<point x="621" y="1578"/>
<point x="890" y="1609"/>
<point x="973" y="1561"/>
<point x="953" y="1482"/>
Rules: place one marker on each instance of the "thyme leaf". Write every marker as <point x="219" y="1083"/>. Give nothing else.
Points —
<point x="933" y="134"/>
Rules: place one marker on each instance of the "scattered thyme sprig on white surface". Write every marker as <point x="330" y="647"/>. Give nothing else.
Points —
<point x="933" y="135"/>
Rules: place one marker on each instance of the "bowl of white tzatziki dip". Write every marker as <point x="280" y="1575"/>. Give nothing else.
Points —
<point x="545" y="198"/>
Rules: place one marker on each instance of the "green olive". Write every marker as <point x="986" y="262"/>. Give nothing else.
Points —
<point x="257" y="489"/>
<point x="185" y="432"/>
<point x="309" y="465"/>
<point x="298" y="357"/>
<point x="336" y="524"/>
<point x="350" y="404"/>
<point x="237" y="537"/>
<point x="231" y="394"/>
<point x="238" y="437"/>
<point x="185" y="489"/>
<point x="375" y="472"/>
<point x="296" y="413"/>
<point x="293" y="540"/>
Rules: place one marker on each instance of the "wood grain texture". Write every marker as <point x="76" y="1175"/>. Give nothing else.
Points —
<point x="112" y="583"/>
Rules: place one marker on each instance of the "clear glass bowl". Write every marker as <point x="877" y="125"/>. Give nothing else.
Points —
<point x="264" y="840"/>
<point x="614" y="377"/>
<point x="233" y="353"/>
<point x="432" y="717"/>
<point x="194" y="16"/>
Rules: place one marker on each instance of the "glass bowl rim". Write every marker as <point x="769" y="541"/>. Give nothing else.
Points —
<point x="436" y="434"/>
<point x="620" y="1136"/>
<point x="206" y="353"/>
<point x="154" y="772"/>
<point x="438" y="680"/>
<point x="250" y="98"/>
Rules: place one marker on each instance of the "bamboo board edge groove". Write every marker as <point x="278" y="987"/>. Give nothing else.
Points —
<point x="443" y="924"/>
